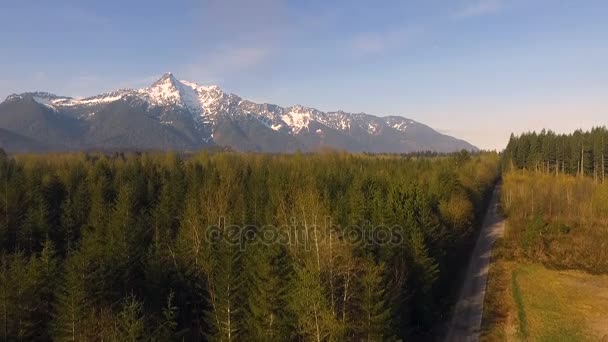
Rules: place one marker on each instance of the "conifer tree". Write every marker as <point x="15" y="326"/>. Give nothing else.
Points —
<point x="71" y="321"/>
<point x="225" y="285"/>
<point x="165" y="330"/>
<point x="130" y="321"/>
<point x="267" y="272"/>
<point x="43" y="271"/>
<point x="422" y="278"/>
<point x="307" y="300"/>
<point x="375" y="308"/>
<point x="12" y="203"/>
<point x="35" y="226"/>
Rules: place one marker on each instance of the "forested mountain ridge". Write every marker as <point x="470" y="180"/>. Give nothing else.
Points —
<point x="159" y="247"/>
<point x="180" y="115"/>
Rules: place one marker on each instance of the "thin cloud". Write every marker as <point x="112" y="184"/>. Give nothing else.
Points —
<point x="245" y="35"/>
<point x="479" y="8"/>
<point x="381" y="42"/>
<point x="80" y="15"/>
<point x="39" y="76"/>
<point x="63" y="13"/>
<point x="227" y="61"/>
<point x="141" y="82"/>
<point x="84" y="83"/>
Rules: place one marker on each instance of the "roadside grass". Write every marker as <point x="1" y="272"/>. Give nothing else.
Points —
<point x="544" y="305"/>
<point x="499" y="320"/>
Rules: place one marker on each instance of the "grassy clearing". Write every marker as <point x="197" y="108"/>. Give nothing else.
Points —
<point x="544" y="305"/>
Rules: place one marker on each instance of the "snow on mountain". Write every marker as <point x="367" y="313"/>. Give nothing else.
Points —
<point x="297" y="118"/>
<point x="170" y="101"/>
<point x="210" y="103"/>
<point x="166" y="91"/>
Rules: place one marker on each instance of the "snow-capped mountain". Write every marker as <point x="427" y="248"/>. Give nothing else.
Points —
<point x="174" y="114"/>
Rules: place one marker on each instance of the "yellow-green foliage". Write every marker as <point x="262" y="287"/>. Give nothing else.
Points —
<point x="561" y="220"/>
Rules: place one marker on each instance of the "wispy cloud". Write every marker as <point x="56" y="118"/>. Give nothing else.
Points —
<point x="62" y="12"/>
<point x="214" y="67"/>
<point x="244" y="35"/>
<point x="139" y="81"/>
<point x="39" y="76"/>
<point x="479" y="8"/>
<point x="80" y="15"/>
<point x="381" y="42"/>
<point x="85" y="84"/>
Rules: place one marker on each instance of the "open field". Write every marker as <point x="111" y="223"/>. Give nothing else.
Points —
<point x="549" y="278"/>
<point x="528" y="302"/>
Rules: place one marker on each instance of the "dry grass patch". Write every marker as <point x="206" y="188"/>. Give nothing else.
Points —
<point x="528" y="302"/>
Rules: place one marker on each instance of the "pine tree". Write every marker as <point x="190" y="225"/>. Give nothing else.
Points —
<point x="54" y="194"/>
<point x="422" y="278"/>
<point x="267" y="272"/>
<point x="43" y="273"/>
<point x="307" y="301"/>
<point x="125" y="241"/>
<point x="73" y="304"/>
<point x="167" y="326"/>
<point x="74" y="211"/>
<point x="225" y="285"/>
<point x="375" y="308"/>
<point x="166" y="216"/>
<point x="27" y="294"/>
<point x="35" y="226"/>
<point x="12" y="203"/>
<point x="102" y="194"/>
<point x="8" y="285"/>
<point x="17" y="302"/>
<point x="130" y="321"/>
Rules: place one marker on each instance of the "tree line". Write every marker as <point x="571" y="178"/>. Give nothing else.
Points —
<point x="166" y="247"/>
<point x="580" y="153"/>
<point x="556" y="199"/>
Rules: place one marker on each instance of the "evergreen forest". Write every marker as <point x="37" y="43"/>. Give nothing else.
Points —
<point x="240" y="246"/>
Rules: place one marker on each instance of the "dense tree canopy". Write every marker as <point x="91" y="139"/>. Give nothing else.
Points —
<point x="228" y="246"/>
<point x="579" y="153"/>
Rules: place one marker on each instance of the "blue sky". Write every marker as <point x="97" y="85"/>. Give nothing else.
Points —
<point x="475" y="69"/>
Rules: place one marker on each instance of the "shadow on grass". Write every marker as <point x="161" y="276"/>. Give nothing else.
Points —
<point x="519" y="303"/>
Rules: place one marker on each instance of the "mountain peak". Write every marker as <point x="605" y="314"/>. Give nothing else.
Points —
<point x="191" y="116"/>
<point x="165" y="78"/>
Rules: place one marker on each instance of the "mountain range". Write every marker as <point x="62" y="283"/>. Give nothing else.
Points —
<point x="180" y="115"/>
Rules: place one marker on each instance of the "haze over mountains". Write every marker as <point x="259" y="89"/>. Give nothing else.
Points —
<point x="185" y="116"/>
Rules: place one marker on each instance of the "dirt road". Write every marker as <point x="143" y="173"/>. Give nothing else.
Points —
<point x="466" y="320"/>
